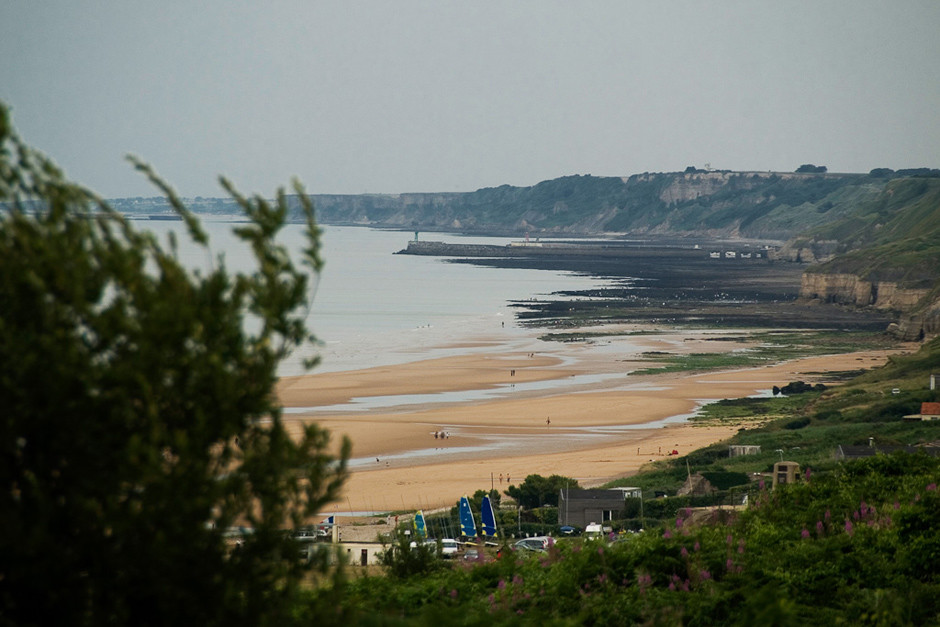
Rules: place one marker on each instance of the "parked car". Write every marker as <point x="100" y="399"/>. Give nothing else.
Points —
<point x="471" y="555"/>
<point x="539" y="544"/>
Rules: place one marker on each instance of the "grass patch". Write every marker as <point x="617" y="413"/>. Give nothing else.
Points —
<point x="746" y="409"/>
<point x="772" y="348"/>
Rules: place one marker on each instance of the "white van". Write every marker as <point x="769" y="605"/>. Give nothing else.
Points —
<point x="449" y="547"/>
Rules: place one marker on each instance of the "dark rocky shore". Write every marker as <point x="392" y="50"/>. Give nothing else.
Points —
<point x="665" y="284"/>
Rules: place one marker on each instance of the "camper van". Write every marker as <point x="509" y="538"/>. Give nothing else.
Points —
<point x="594" y="530"/>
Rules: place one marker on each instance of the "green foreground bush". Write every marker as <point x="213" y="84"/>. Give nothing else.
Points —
<point x="856" y="546"/>
<point x="138" y="419"/>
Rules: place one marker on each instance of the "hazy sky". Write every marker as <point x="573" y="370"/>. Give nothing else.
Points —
<point x="408" y="96"/>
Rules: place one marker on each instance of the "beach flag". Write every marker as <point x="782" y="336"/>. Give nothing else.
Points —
<point x="328" y="521"/>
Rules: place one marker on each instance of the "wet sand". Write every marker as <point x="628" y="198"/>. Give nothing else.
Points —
<point x="571" y="409"/>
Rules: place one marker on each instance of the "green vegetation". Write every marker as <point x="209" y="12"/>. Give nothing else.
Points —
<point x="536" y="490"/>
<point x="893" y="237"/>
<point x="770" y="348"/>
<point x="854" y="546"/>
<point x="139" y="422"/>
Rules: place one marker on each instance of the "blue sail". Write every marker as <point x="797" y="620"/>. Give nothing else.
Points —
<point x="421" y="529"/>
<point x="488" y="518"/>
<point x="467" y="526"/>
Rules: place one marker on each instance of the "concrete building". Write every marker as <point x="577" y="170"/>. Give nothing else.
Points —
<point x="362" y="553"/>
<point x="743" y="449"/>
<point x="785" y="472"/>
<point x="578" y="508"/>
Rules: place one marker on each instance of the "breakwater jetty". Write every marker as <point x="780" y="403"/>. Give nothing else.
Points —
<point x="555" y="250"/>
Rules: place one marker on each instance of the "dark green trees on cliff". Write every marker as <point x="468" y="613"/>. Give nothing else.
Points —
<point x="809" y="168"/>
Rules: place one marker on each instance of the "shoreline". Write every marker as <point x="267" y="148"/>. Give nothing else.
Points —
<point x="571" y="409"/>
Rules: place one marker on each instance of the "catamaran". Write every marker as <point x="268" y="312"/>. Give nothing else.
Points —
<point x="488" y="519"/>
<point x="468" y="528"/>
<point x="421" y="529"/>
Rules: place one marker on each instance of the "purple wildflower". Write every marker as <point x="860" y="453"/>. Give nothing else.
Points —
<point x="804" y="533"/>
<point x="672" y="586"/>
<point x="517" y="580"/>
<point x="684" y="552"/>
<point x="848" y="526"/>
<point x="827" y="516"/>
<point x="600" y="550"/>
<point x="501" y="585"/>
<point x="453" y="593"/>
<point x="705" y="575"/>
<point x="897" y="504"/>
<point x="729" y="564"/>
<point x="808" y="474"/>
<point x="819" y="527"/>
<point x="667" y="535"/>
<point x="696" y="547"/>
<point x="932" y="487"/>
<point x="729" y="539"/>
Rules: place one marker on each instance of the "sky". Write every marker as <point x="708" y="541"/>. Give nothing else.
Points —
<point x="401" y="96"/>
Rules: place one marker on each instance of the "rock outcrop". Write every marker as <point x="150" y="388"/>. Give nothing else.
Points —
<point x="918" y="309"/>
<point x="920" y="323"/>
<point x="848" y="289"/>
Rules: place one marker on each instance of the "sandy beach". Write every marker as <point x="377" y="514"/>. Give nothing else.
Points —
<point x="428" y="431"/>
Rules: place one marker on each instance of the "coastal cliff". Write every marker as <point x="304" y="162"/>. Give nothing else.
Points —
<point x="848" y="289"/>
<point x="885" y="255"/>
<point x="718" y="204"/>
<point x="918" y="309"/>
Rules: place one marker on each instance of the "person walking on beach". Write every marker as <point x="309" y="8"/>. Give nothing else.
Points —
<point x="500" y="478"/>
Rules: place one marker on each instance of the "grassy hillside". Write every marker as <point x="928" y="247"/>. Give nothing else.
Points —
<point x="894" y="237"/>
<point x="807" y="428"/>
<point x="756" y="205"/>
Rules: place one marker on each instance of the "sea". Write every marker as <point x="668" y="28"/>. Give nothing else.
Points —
<point x="371" y="307"/>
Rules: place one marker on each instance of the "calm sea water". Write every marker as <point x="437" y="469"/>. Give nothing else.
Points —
<point x="371" y="307"/>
